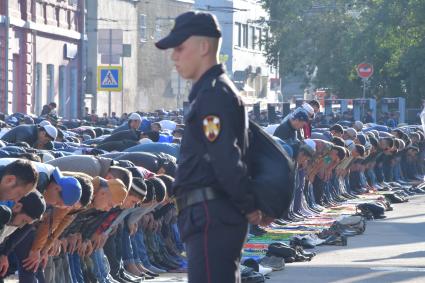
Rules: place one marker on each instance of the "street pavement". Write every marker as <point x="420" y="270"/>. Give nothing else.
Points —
<point x="391" y="250"/>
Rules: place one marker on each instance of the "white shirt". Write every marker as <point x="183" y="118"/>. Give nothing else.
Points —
<point x="168" y="125"/>
<point x="6" y="232"/>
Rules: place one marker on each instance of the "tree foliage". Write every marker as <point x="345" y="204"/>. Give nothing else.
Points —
<point x="333" y="36"/>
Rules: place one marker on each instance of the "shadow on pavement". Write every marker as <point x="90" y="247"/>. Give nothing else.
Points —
<point x="343" y="274"/>
<point x="418" y="254"/>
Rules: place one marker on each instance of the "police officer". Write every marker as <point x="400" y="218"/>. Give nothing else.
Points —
<point x="211" y="184"/>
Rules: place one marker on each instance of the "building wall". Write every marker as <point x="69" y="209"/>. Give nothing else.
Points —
<point x="2" y="62"/>
<point x="155" y="68"/>
<point x="37" y="33"/>
<point x="244" y="51"/>
<point x="49" y="54"/>
<point x="112" y="14"/>
<point x="222" y="9"/>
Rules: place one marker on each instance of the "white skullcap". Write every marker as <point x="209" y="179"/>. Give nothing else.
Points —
<point x="145" y="141"/>
<point x="350" y="144"/>
<point x="135" y="116"/>
<point x="47" y="157"/>
<point x="358" y="125"/>
<point x="51" y="131"/>
<point x="44" y="123"/>
<point x="351" y="132"/>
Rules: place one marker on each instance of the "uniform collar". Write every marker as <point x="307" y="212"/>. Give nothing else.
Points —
<point x="213" y="72"/>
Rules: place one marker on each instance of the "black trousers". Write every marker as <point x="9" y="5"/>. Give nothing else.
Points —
<point x="214" y="233"/>
<point x="112" y="250"/>
<point x="318" y="190"/>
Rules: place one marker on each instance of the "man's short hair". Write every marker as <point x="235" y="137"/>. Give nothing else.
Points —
<point x="122" y="174"/>
<point x="373" y="141"/>
<point x="153" y="136"/>
<point x="397" y="143"/>
<point x="338" y="141"/>
<point x="156" y="124"/>
<point x="168" y="181"/>
<point x="337" y="128"/>
<point x="150" y="192"/>
<point x="314" y="103"/>
<point x="388" y="141"/>
<point x="168" y="163"/>
<point x="159" y="188"/>
<point x="340" y="150"/>
<point x="360" y="150"/>
<point x="87" y="188"/>
<point x="306" y="150"/>
<point x="23" y="170"/>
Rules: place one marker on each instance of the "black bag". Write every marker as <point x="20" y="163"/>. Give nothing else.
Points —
<point x="280" y="250"/>
<point x="371" y="210"/>
<point x="395" y="198"/>
<point x="253" y="277"/>
<point x="271" y="171"/>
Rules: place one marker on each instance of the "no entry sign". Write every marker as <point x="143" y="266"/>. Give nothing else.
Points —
<point x="365" y="70"/>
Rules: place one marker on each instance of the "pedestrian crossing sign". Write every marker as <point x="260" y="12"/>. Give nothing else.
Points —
<point x="109" y="78"/>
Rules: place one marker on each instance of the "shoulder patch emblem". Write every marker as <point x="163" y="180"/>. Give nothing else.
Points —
<point x="211" y="126"/>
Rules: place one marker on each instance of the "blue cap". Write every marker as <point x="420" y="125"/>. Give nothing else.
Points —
<point x="189" y="24"/>
<point x="71" y="188"/>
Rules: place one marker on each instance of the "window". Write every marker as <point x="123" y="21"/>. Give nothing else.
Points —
<point x="142" y="28"/>
<point x="38" y="88"/>
<point x="158" y="29"/>
<point x="68" y="19"/>
<point x="58" y="19"/>
<point x="252" y="37"/>
<point x="265" y="37"/>
<point x="238" y="34"/>
<point x="50" y="83"/>
<point x="45" y="13"/>
<point x="23" y="9"/>
<point x="74" y="93"/>
<point x="245" y="36"/>
<point x="258" y="40"/>
<point x="73" y="2"/>
<point x="62" y="90"/>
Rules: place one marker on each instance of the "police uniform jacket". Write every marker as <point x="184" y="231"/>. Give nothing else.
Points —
<point x="214" y="143"/>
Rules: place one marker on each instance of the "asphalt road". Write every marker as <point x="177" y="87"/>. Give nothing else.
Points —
<point x="391" y="250"/>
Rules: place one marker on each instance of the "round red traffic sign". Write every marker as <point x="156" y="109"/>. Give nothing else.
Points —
<point x="365" y="70"/>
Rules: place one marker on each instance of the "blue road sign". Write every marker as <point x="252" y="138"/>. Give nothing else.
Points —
<point x="109" y="78"/>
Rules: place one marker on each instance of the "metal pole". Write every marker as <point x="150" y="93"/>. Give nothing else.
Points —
<point x="83" y="62"/>
<point x="110" y="60"/>
<point x="364" y="96"/>
<point x="4" y="107"/>
<point x="122" y="92"/>
<point x="178" y="91"/>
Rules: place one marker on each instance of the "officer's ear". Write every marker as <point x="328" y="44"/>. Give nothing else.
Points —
<point x="204" y="46"/>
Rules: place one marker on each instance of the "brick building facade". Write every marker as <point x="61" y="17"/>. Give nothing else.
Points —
<point x="41" y="55"/>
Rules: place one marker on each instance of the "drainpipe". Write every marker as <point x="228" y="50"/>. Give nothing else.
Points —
<point x="6" y="58"/>
<point x="83" y="59"/>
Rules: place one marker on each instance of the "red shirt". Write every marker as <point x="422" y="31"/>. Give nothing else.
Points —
<point x="307" y="130"/>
